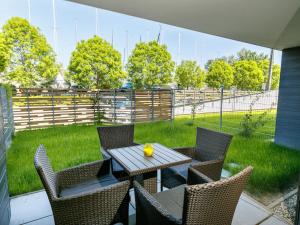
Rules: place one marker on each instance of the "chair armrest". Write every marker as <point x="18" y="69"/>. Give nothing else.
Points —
<point x="188" y="151"/>
<point x="195" y="177"/>
<point x="211" y="168"/>
<point x="105" y="154"/>
<point x="81" y="173"/>
<point x="148" y="207"/>
<point x="103" y="202"/>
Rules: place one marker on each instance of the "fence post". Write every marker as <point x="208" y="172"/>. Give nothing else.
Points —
<point x="28" y="108"/>
<point x="115" y="105"/>
<point x="173" y="95"/>
<point x="152" y="105"/>
<point x="183" y="108"/>
<point x="52" y="101"/>
<point x="74" y="105"/>
<point x="131" y="106"/>
<point x="221" y="106"/>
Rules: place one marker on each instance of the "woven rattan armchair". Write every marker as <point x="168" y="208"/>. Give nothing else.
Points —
<point x="193" y="204"/>
<point x="86" y="194"/>
<point x="118" y="137"/>
<point x="210" y="145"/>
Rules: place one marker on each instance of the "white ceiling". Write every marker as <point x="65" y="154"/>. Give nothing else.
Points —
<point x="270" y="23"/>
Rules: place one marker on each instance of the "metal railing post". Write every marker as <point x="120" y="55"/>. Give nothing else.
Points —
<point x="115" y="105"/>
<point x="74" y="105"/>
<point x="28" y="108"/>
<point x="152" y="105"/>
<point x="221" y="106"/>
<point x="52" y="101"/>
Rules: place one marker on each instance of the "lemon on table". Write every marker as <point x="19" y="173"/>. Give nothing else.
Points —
<point x="148" y="150"/>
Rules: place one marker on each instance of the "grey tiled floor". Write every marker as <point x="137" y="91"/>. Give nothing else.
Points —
<point x="34" y="209"/>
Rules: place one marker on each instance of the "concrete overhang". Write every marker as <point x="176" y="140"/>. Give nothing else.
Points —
<point x="269" y="23"/>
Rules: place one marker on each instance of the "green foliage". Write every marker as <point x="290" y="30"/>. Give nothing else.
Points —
<point x="229" y="59"/>
<point x="264" y="65"/>
<point x="219" y="73"/>
<point x="247" y="75"/>
<point x="245" y="54"/>
<point x="249" y="123"/>
<point x="275" y="76"/>
<point x="67" y="146"/>
<point x="96" y="64"/>
<point x="189" y="74"/>
<point x="150" y="64"/>
<point x="31" y="60"/>
<point x="4" y="54"/>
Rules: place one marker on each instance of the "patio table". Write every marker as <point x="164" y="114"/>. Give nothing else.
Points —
<point x="135" y="163"/>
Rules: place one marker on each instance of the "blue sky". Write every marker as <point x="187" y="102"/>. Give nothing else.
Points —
<point x="194" y="45"/>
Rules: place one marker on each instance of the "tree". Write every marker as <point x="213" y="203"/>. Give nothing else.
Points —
<point x="189" y="74"/>
<point x="275" y="76"/>
<point x="150" y="64"/>
<point x="247" y="75"/>
<point x="245" y="54"/>
<point x="219" y="73"/>
<point x="31" y="60"/>
<point x="264" y="65"/>
<point x="96" y="64"/>
<point x="4" y="54"/>
<point x="229" y="59"/>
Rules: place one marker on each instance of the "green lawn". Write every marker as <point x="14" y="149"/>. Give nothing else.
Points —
<point x="275" y="167"/>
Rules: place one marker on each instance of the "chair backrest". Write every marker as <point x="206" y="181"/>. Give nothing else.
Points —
<point x="215" y="202"/>
<point x="212" y="144"/>
<point x="116" y="136"/>
<point x="46" y="173"/>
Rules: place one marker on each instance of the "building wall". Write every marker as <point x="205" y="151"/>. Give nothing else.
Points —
<point x="4" y="194"/>
<point x="288" y="113"/>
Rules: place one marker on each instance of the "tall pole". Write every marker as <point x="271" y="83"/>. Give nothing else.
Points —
<point x="148" y="34"/>
<point x="179" y="48"/>
<point x="96" y="22"/>
<point x="29" y="10"/>
<point x="196" y="50"/>
<point x="76" y="31"/>
<point x="112" y="37"/>
<point x="54" y="25"/>
<point x="126" y="43"/>
<point x="269" y="81"/>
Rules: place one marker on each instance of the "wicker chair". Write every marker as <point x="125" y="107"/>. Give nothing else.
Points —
<point x="197" y="203"/>
<point x="87" y="194"/>
<point x="210" y="145"/>
<point x="118" y="137"/>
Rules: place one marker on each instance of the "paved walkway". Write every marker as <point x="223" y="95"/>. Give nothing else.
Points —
<point x="34" y="209"/>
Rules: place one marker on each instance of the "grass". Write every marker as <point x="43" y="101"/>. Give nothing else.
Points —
<point x="275" y="167"/>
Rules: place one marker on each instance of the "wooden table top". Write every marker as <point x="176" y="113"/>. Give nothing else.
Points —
<point x="134" y="162"/>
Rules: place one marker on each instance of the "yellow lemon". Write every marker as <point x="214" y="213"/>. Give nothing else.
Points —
<point x="148" y="150"/>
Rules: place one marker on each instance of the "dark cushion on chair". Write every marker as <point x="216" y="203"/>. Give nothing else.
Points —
<point x="89" y="185"/>
<point x="172" y="200"/>
<point x="183" y="168"/>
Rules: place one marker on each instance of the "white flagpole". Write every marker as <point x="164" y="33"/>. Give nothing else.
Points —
<point x="29" y="10"/>
<point x="76" y="31"/>
<point x="112" y="37"/>
<point x="54" y="25"/>
<point x="96" y="22"/>
<point x="179" y="48"/>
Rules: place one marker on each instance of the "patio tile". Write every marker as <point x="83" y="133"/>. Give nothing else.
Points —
<point x="30" y="207"/>
<point x="274" y="220"/>
<point x="249" y="212"/>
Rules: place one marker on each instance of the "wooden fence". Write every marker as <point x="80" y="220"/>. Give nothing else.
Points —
<point x="37" y="108"/>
